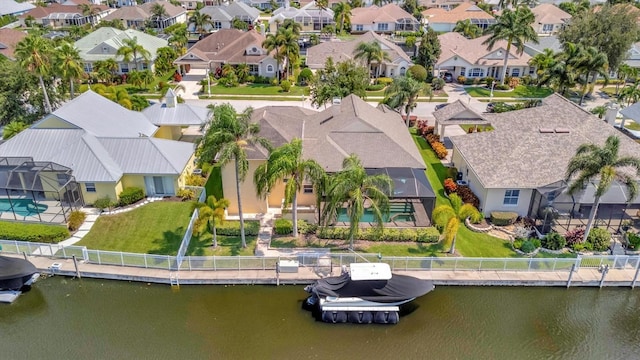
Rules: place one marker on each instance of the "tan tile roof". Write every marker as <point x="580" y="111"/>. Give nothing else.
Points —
<point x="41" y="12"/>
<point x="473" y="51"/>
<point x="343" y="50"/>
<point x="550" y="14"/>
<point x="228" y="45"/>
<point x="142" y="12"/>
<point x="375" y="14"/>
<point x="460" y="13"/>
<point x="8" y="40"/>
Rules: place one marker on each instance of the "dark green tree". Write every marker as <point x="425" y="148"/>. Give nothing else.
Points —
<point x="428" y="51"/>
<point x="338" y="80"/>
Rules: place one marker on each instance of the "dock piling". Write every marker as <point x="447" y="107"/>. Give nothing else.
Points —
<point x="605" y="270"/>
<point x="573" y="268"/>
<point x="75" y="263"/>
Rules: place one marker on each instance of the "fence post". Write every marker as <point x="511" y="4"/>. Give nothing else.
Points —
<point x="573" y="268"/>
<point x="99" y="261"/>
<point x="578" y="262"/>
<point x="604" y="274"/>
<point x="406" y="263"/>
<point x="635" y="277"/>
<point x="529" y="269"/>
<point x="214" y="263"/>
<point x="145" y="261"/>
<point x="168" y="262"/>
<point x="480" y="265"/>
<point x="121" y="259"/>
<point x="85" y="253"/>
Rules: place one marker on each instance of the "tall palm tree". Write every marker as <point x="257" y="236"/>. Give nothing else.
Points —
<point x="68" y="64"/>
<point x="543" y="62"/>
<point x="291" y="24"/>
<point x="131" y="50"/>
<point x="565" y="71"/>
<point x="467" y="29"/>
<point x="630" y="94"/>
<point x="211" y="213"/>
<point x="89" y="11"/>
<point x="34" y="53"/>
<point x="514" y="27"/>
<point x="601" y="166"/>
<point x="342" y="14"/>
<point x="270" y="44"/>
<point x="371" y="52"/>
<point x="594" y="63"/>
<point x="105" y="69"/>
<point x="228" y="136"/>
<point x="179" y="38"/>
<point x="403" y="93"/>
<point x="158" y="15"/>
<point x="354" y="189"/>
<point x="286" y="162"/>
<point x="449" y="216"/>
<point x="289" y="47"/>
<point x="200" y="21"/>
<point x="625" y="72"/>
<point x="322" y="5"/>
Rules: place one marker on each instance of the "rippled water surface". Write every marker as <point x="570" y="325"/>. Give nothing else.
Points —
<point x="91" y="319"/>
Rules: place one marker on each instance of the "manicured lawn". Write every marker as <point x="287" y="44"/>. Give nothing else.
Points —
<point x="214" y="183"/>
<point x="521" y="91"/>
<point x="152" y="88"/>
<point x="415" y="249"/>
<point x="632" y="125"/>
<point x="258" y="89"/>
<point x="155" y="228"/>
<point x="227" y="246"/>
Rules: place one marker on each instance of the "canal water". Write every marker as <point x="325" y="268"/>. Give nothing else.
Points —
<point x="63" y="318"/>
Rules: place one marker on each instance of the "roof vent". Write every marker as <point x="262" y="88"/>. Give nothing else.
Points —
<point x="336" y="101"/>
<point x="562" y="130"/>
<point x="546" y="131"/>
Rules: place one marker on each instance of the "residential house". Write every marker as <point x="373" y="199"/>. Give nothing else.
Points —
<point x="633" y="56"/>
<point x="329" y="136"/>
<point x="104" y="43"/>
<point x="141" y="16"/>
<point x="231" y="46"/>
<point x="472" y="59"/>
<point x="66" y="14"/>
<point x="223" y="16"/>
<point x="550" y="19"/>
<point x="176" y="121"/>
<point x="263" y="4"/>
<point x="310" y="17"/>
<point x="520" y="166"/>
<point x="107" y="150"/>
<point x="386" y="19"/>
<point x="443" y="20"/>
<point x="14" y="8"/>
<point x="442" y="4"/>
<point x="8" y="40"/>
<point x="344" y="50"/>
<point x="544" y="42"/>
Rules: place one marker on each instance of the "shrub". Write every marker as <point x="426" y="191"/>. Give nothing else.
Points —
<point x="575" y="236"/>
<point x="476" y="217"/>
<point x="470" y="81"/>
<point x="517" y="244"/>
<point x="427" y="235"/>
<point x="439" y="149"/>
<point x="599" y="238"/>
<point x="274" y="82"/>
<point x="410" y="42"/>
<point x="103" y="203"/>
<point x="250" y="79"/>
<point x="527" y="247"/>
<point x="76" y="218"/>
<point x="554" y="241"/>
<point x="131" y="195"/>
<point x="195" y="180"/>
<point x="503" y="218"/>
<point x="467" y="196"/>
<point x="283" y="226"/>
<point x="452" y="172"/>
<point x="32" y="232"/>
<point x="306" y="228"/>
<point x="232" y="228"/>
<point x="526" y="80"/>
<point x="376" y="87"/>
<point x="461" y="80"/>
<point x="177" y="77"/>
<point x="285" y="85"/>
<point x="583" y="246"/>
<point x="437" y="83"/>
<point x="489" y="80"/>
<point x="521" y="232"/>
<point x="450" y="186"/>
<point x="186" y="194"/>
<point x="633" y="241"/>
<point x="470" y="130"/>
<point x="305" y="76"/>
<point x="418" y="72"/>
<point x="384" y="80"/>
<point x="502" y="87"/>
<point x="514" y="82"/>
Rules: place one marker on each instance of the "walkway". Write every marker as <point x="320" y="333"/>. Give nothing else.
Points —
<point x="191" y="83"/>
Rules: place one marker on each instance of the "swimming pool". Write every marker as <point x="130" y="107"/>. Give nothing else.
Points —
<point x="22" y="207"/>
<point x="397" y="212"/>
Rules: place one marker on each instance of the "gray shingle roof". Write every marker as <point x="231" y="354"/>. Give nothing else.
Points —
<point x="518" y="155"/>
<point x="455" y="111"/>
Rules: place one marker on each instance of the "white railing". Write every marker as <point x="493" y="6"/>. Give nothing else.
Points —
<point x="184" y="245"/>
<point x="202" y="197"/>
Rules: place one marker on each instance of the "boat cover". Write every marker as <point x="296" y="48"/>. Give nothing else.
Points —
<point x="14" y="272"/>
<point x="398" y="288"/>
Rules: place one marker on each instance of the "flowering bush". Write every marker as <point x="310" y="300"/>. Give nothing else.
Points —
<point x="450" y="186"/>
<point x="514" y="82"/>
<point x="575" y="236"/>
<point x="440" y="150"/>
<point x="467" y="196"/>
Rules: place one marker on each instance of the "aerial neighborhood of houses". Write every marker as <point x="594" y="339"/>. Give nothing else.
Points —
<point x="394" y="114"/>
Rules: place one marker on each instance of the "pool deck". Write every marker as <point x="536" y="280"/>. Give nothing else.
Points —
<point x="589" y="277"/>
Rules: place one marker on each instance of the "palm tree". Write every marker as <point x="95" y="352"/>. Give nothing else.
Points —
<point x="34" y="54"/>
<point x="514" y="27"/>
<point x="403" y="93"/>
<point x="12" y="129"/>
<point x="354" y="188"/>
<point x="242" y="71"/>
<point x="565" y="71"/>
<point x="291" y="24"/>
<point x="68" y="64"/>
<point x="543" y="62"/>
<point x="594" y="63"/>
<point x="105" y="69"/>
<point x="467" y="29"/>
<point x="516" y="3"/>
<point x="158" y="15"/>
<point x="131" y="50"/>
<point x="371" y="52"/>
<point x="89" y="11"/>
<point x="134" y="78"/>
<point x="342" y="14"/>
<point x="356" y="3"/>
<point x="271" y="43"/>
<point x="448" y="218"/>
<point x="289" y="47"/>
<point x="179" y="38"/>
<point x="200" y="21"/>
<point x="601" y="166"/>
<point x="625" y="72"/>
<point x="228" y="136"/>
<point x="322" y="5"/>
<point x="286" y="162"/>
<point x="211" y="212"/>
<point x="630" y="94"/>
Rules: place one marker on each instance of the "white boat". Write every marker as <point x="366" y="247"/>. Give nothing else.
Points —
<point x="365" y="293"/>
<point x="16" y="276"/>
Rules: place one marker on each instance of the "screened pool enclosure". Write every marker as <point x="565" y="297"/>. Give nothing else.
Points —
<point x="37" y="190"/>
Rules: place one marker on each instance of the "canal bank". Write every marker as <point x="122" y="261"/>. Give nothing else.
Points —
<point x="594" y="276"/>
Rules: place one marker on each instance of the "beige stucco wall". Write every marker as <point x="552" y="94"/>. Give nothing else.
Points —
<point x="495" y="197"/>
<point x="168" y="132"/>
<point x="250" y="202"/>
<point x="133" y="181"/>
<point x="188" y="169"/>
<point x="276" y="197"/>
<point x="110" y="189"/>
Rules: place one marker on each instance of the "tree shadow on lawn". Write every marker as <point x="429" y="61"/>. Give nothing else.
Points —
<point x="426" y="249"/>
<point x="169" y="243"/>
<point x="227" y="245"/>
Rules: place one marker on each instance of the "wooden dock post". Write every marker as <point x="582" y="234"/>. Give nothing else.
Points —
<point x="24" y="253"/>
<point x="635" y="277"/>
<point x="75" y="263"/>
<point x="573" y="268"/>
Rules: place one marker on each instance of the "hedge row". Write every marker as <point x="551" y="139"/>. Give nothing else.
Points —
<point x="32" y="232"/>
<point x="131" y="195"/>
<point x="285" y="227"/>
<point x="426" y="235"/>
<point x="232" y="228"/>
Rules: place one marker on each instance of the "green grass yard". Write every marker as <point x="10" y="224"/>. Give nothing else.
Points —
<point x="258" y="89"/>
<point x="521" y="91"/>
<point x="227" y="246"/>
<point x="214" y="183"/>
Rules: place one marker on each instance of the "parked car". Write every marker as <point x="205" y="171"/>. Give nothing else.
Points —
<point x="440" y="106"/>
<point x="490" y="107"/>
<point x="448" y="77"/>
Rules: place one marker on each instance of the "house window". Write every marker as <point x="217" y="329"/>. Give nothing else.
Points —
<point x="547" y="28"/>
<point x="90" y="187"/>
<point x="532" y="70"/>
<point x="383" y="27"/>
<point x="253" y="69"/>
<point x="105" y="49"/>
<point x="307" y="189"/>
<point x="359" y="27"/>
<point x="403" y="70"/>
<point x="88" y="67"/>
<point x="476" y="72"/>
<point x="217" y="25"/>
<point x="269" y="68"/>
<point x="463" y="71"/>
<point x="511" y="197"/>
<point x="145" y="65"/>
<point x="124" y="68"/>
<point x="62" y="179"/>
<point x="515" y="72"/>
<point x="551" y="196"/>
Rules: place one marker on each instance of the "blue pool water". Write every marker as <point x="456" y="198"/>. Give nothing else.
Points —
<point x="396" y="213"/>
<point x="22" y="207"/>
